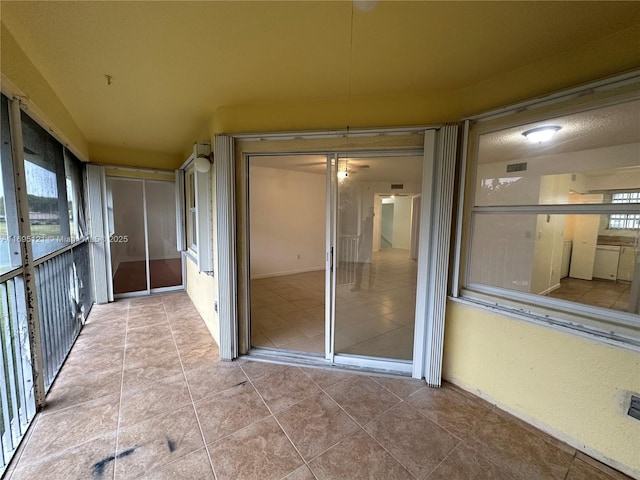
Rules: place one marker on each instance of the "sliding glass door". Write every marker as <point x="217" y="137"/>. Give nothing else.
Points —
<point x="333" y="255"/>
<point x="376" y="267"/>
<point x="287" y="221"/>
<point x="142" y="234"/>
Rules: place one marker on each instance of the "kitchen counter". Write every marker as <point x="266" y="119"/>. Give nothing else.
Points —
<point x="619" y="240"/>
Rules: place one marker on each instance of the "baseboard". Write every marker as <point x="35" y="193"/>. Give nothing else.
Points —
<point x="555" y="433"/>
<point x="289" y="272"/>
<point x="550" y="289"/>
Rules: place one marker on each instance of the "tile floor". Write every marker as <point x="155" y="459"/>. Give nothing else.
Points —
<point x="143" y="395"/>
<point x="599" y="293"/>
<point x="374" y="317"/>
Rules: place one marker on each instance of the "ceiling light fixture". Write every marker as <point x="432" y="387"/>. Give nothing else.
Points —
<point x="541" y="134"/>
<point x="202" y="163"/>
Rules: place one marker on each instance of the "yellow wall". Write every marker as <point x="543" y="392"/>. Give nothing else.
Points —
<point x="21" y="77"/>
<point x="203" y="291"/>
<point x="610" y="55"/>
<point x="574" y="388"/>
<point x="114" y="155"/>
<point x="202" y="288"/>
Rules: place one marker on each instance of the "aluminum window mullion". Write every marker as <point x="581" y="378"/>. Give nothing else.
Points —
<point x="8" y="363"/>
<point x="583" y="208"/>
<point x="15" y="328"/>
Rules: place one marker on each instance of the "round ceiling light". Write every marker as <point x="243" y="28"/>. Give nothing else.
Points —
<point x="202" y="163"/>
<point x="541" y="134"/>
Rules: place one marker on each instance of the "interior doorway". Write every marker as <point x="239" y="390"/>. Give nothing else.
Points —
<point x="331" y="273"/>
<point x="141" y="220"/>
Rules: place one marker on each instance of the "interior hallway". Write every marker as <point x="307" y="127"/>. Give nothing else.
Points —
<point x="143" y="395"/>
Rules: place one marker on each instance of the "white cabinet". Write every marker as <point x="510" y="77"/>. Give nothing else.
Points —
<point x="606" y="262"/>
<point x="626" y="263"/>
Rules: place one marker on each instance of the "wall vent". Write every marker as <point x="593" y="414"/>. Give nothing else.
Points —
<point x="517" y="167"/>
<point x="634" y="407"/>
<point x="397" y="186"/>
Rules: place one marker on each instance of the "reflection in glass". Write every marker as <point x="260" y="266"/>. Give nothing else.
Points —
<point x="596" y="151"/>
<point x="375" y="258"/>
<point x="572" y="257"/>
<point x="10" y="256"/>
<point x="165" y="265"/>
<point x="287" y="222"/>
<point x="127" y="238"/>
<point x="46" y="189"/>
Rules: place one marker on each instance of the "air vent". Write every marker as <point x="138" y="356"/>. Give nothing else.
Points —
<point x="634" y="407"/>
<point x="397" y="186"/>
<point x="517" y="167"/>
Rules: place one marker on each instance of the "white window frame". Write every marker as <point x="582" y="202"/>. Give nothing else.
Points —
<point x="625" y="221"/>
<point x="196" y="241"/>
<point x="608" y="326"/>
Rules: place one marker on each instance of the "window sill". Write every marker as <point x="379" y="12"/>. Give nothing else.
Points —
<point x="584" y="326"/>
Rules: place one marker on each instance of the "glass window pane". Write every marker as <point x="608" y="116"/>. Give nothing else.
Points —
<point x="165" y="264"/>
<point x="595" y="151"/>
<point x="46" y="189"/>
<point x="571" y="257"/>
<point x="73" y="172"/>
<point x="10" y="255"/>
<point x="128" y="250"/>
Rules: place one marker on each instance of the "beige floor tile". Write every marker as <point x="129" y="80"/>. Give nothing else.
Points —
<point x="523" y="454"/>
<point x="302" y="473"/>
<point x="457" y="413"/>
<point x="153" y="399"/>
<point x="138" y="372"/>
<point x="213" y="378"/>
<point x="415" y="441"/>
<point x="140" y="352"/>
<point x="373" y="462"/>
<point x="315" y="424"/>
<point x="154" y="442"/>
<point x="198" y="357"/>
<point x="325" y="377"/>
<point x="284" y="388"/>
<point x="463" y="463"/>
<point x="260" y="451"/>
<point x="194" y="466"/>
<point x="227" y="412"/>
<point x="402" y="387"/>
<point x="64" y="429"/>
<point x="578" y="463"/>
<point x="582" y="471"/>
<point x="69" y="391"/>
<point x="283" y="337"/>
<point x="256" y="369"/>
<point x="90" y="460"/>
<point x="362" y="398"/>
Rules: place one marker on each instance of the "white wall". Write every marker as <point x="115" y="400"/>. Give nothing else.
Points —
<point x="128" y="217"/>
<point x="287" y="219"/>
<point x="525" y="252"/>
<point x="161" y="220"/>
<point x="402" y="222"/>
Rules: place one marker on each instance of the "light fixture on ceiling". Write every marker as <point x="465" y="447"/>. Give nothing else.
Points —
<point x="343" y="172"/>
<point x="202" y="163"/>
<point x="541" y="134"/>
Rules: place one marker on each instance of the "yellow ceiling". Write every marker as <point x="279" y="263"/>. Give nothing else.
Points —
<point x="177" y="66"/>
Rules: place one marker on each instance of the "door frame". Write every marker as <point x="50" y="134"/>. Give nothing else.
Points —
<point x="424" y="300"/>
<point x="136" y="178"/>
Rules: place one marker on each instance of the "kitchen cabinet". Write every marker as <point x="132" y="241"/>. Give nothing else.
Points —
<point x="606" y="262"/>
<point x="626" y="263"/>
